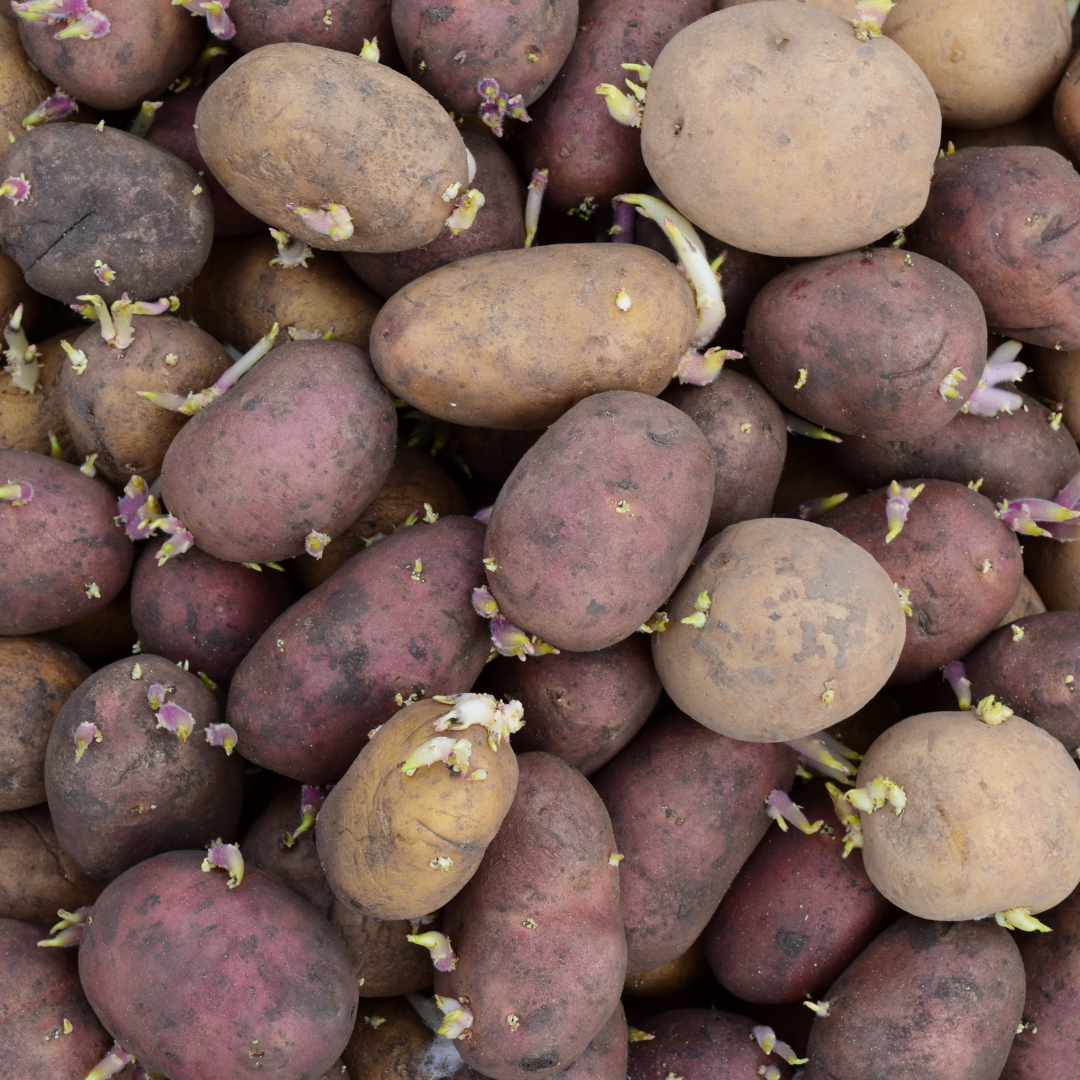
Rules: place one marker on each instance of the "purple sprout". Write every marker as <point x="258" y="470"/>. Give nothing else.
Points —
<point x="16" y="188"/>
<point x="496" y="105"/>
<point x="69" y="930"/>
<point x="55" y="107"/>
<point x="221" y="26"/>
<point x="780" y="807"/>
<point x="798" y="426"/>
<point x="311" y="800"/>
<point x="1001" y="366"/>
<point x="956" y="677"/>
<point x="535" y="199"/>
<point x="442" y="954"/>
<point x="484" y="515"/>
<point x="113" y="1062"/>
<point x="622" y="227"/>
<point x="85" y="734"/>
<point x="815" y="508"/>
<point x="897" y="506"/>
<point x="16" y="492"/>
<point x="225" y="857"/>
<point x="826" y="755"/>
<point x="1056" y="520"/>
<point x="223" y="735"/>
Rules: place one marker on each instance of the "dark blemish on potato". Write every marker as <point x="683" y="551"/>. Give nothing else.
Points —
<point x="548" y="1060"/>
<point x="208" y="929"/>
<point x="595" y="608"/>
<point x="791" y="943"/>
<point x="783" y="140"/>
<point x="151" y="901"/>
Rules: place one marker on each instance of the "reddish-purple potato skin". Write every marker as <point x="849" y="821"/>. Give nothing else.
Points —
<point x="1018" y="455"/>
<point x="599" y="520"/>
<point x="582" y="707"/>
<point x="173" y="130"/>
<point x="572" y="134"/>
<point x="368" y="633"/>
<point x="55" y="546"/>
<point x="190" y="976"/>
<point x="140" y="791"/>
<point x="798" y="913"/>
<point x="700" y="1044"/>
<point x="876" y="331"/>
<point x="951" y="531"/>
<point x="39" y="990"/>
<point x="562" y="978"/>
<point x="924" y="1001"/>
<point x="1001" y="217"/>
<point x="688" y="807"/>
<point x="499" y="226"/>
<point x="1030" y="675"/>
<point x="202" y="610"/>
<point x="748" y="463"/>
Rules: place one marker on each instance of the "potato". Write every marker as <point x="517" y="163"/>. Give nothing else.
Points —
<point x="810" y="472"/>
<point x="1027" y="602"/>
<point x="36" y="877"/>
<point x="153" y="232"/>
<point x="239" y="295"/>
<point x="22" y="86"/>
<point x="998" y="217"/>
<point x="179" y="966"/>
<point x="1066" y="114"/>
<point x="304" y="441"/>
<point x="991" y="821"/>
<point x="838" y="7"/>
<point x="287" y="124"/>
<point x="537" y="931"/>
<point x="340" y="24"/>
<point x="27" y="419"/>
<point x="140" y="789"/>
<point x="103" y="636"/>
<point x="671" y="977"/>
<point x="1015" y="456"/>
<point x="383" y="959"/>
<point x="395" y="622"/>
<point x="36" y="678"/>
<point x="62" y="557"/>
<point x="557" y="305"/>
<point x="913" y="322"/>
<point x="959" y="562"/>
<point x="391" y="1042"/>
<point x="599" y="520"/>
<point x="582" y="707"/>
<point x="753" y="73"/>
<point x="1056" y="375"/>
<point x="989" y="64"/>
<point x="397" y="846"/>
<point x="1054" y="570"/>
<point x="799" y="631"/>
<point x="926" y="1001"/>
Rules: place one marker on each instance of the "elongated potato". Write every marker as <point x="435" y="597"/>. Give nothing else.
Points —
<point x="512" y="339"/>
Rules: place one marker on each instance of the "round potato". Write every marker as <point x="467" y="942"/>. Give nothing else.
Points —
<point x="754" y="145"/>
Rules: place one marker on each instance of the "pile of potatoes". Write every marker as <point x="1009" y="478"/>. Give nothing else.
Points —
<point x="539" y="543"/>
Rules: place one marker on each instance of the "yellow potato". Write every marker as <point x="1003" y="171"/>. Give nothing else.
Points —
<point x="27" y="419"/>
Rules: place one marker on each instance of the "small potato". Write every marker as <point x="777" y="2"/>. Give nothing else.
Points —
<point x="533" y="332"/>
<point x="27" y="419"/>
<point x="778" y="630"/>
<point x="397" y="846"/>
<point x="992" y="820"/>
<point x="383" y="959"/>
<point x="36" y="678"/>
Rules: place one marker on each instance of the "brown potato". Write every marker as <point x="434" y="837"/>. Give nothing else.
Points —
<point x="759" y="165"/>
<point x="1054" y="569"/>
<point x="668" y="978"/>
<point x="22" y="87"/>
<point x="839" y="7"/>
<point x="1027" y="602"/>
<point x="390" y="1042"/>
<point x="1057" y="373"/>
<point x="383" y="959"/>
<point x="27" y="419"/>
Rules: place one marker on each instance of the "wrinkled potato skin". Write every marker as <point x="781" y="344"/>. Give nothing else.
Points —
<point x="27" y="419"/>
<point x="267" y="22"/>
<point x="379" y="829"/>
<point x="36" y="678"/>
<point x="36" y="877"/>
<point x="548" y="863"/>
<point x="671" y="977"/>
<point x="789" y="142"/>
<point x="751" y="675"/>
<point x="515" y="338"/>
<point x="57" y="543"/>
<point x="599" y="520"/>
<point x="381" y="953"/>
<point x="950" y="532"/>
<point x="998" y="217"/>
<point x="288" y="123"/>
<point x="910" y="321"/>
<point x="688" y="808"/>
<point x="1057" y="374"/>
<point x="1015" y="456"/>
<point x="1007" y="834"/>
<point x="989" y="63"/>
<point x="925" y="1001"/>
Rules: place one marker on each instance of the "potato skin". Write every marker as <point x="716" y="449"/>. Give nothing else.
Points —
<point x="976" y="223"/>
<point x="302" y="443"/>
<point x="992" y="819"/>
<point x="367" y="635"/>
<point x="287" y="123"/>
<point x="550" y="864"/>
<point x="1027" y="602"/>
<point x="688" y="807"/>
<point x="556" y="305"/>
<point x="27" y="419"/>
<point x="381" y="954"/>
<point x="381" y="831"/>
<point x="789" y="142"/>
<point x="265" y="22"/>
<point x="1054" y="570"/>
<point x="401" y="1048"/>
<point x="22" y="87"/>
<point x="57" y="543"/>
<point x="794" y="615"/>
<point x="912" y="321"/>
<point x="104" y="636"/>
<point x="950" y="533"/>
<point x="669" y="978"/>
<point x="36" y="678"/>
<point x="925" y="1001"/>
<point x="140" y="791"/>
<point x="599" y="520"/>
<point x="232" y="968"/>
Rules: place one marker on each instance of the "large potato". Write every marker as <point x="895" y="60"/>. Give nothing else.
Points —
<point x="801" y="630"/>
<point x="512" y="339"/>
<point x="772" y="127"/>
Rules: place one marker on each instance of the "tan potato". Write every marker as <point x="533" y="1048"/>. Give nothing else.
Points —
<point x="13" y="288"/>
<point x="1057" y="374"/>
<point x="752" y="142"/>
<point x="989" y="62"/>
<point x="1027" y="602"/>
<point x="27" y="419"/>
<point x="513" y="339"/>
<point x="22" y="87"/>
<point x="398" y="847"/>
<point x="1054" y="569"/>
<point x="992" y="819"/>
<point x="675" y="975"/>
<point x="383" y="959"/>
